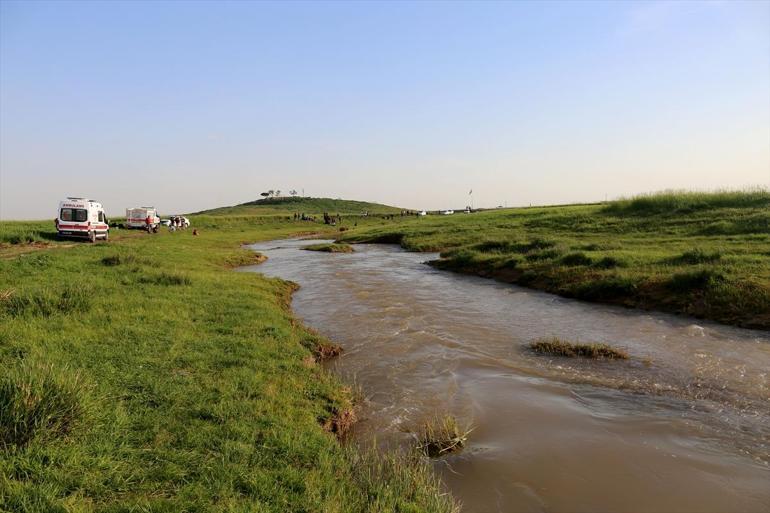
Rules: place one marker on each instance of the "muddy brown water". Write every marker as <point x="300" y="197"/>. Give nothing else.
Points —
<point x="684" y="426"/>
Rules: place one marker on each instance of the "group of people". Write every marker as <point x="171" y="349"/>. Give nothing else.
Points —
<point x="330" y="219"/>
<point x="303" y="217"/>
<point x="177" y="222"/>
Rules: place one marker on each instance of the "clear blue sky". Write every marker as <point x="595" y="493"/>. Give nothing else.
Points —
<point x="195" y="105"/>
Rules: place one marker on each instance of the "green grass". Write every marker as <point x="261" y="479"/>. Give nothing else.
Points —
<point x="701" y="254"/>
<point x="38" y="402"/>
<point x="22" y="232"/>
<point x="144" y="374"/>
<point x="557" y="347"/>
<point x="685" y="202"/>
<point x="330" y="248"/>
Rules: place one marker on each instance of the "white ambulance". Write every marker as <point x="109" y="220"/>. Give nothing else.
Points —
<point x="80" y="217"/>
<point x="137" y="218"/>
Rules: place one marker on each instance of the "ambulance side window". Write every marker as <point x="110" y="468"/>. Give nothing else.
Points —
<point x="101" y="216"/>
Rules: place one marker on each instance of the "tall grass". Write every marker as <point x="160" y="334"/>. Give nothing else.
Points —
<point x="441" y="435"/>
<point x="38" y="402"/>
<point x="24" y="232"/>
<point x="697" y="256"/>
<point x="72" y="297"/>
<point x="681" y="201"/>
<point x="386" y="480"/>
<point x="165" y="278"/>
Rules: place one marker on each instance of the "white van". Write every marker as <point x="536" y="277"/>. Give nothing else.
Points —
<point x="80" y="217"/>
<point x="137" y="217"/>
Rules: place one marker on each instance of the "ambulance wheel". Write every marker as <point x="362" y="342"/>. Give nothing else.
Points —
<point x="106" y="236"/>
<point x="92" y="236"/>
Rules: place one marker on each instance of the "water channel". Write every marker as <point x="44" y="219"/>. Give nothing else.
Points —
<point x="683" y="426"/>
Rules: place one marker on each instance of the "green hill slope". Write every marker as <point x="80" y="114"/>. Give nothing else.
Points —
<point x="283" y="206"/>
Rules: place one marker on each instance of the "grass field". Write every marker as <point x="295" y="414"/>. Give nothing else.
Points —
<point x="144" y="374"/>
<point x="700" y="254"/>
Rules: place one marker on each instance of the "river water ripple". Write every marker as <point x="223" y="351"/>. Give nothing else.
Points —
<point x="683" y="426"/>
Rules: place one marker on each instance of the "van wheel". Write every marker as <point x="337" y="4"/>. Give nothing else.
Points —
<point x="92" y="236"/>
<point x="106" y="236"/>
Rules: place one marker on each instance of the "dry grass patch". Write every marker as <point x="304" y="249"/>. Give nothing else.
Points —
<point x="441" y="435"/>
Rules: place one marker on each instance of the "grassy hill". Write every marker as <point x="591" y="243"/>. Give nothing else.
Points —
<point x="307" y="205"/>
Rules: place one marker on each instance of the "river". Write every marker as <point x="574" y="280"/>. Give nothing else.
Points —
<point x="683" y="426"/>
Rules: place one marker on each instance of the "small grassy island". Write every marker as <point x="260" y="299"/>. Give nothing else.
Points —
<point x="330" y="248"/>
<point x="557" y="347"/>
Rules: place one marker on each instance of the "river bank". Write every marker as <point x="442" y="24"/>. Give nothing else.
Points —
<point x="701" y="255"/>
<point x="168" y="382"/>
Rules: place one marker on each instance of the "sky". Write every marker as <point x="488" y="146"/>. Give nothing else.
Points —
<point x="195" y="105"/>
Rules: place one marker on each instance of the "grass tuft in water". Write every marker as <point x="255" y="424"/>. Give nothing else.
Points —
<point x="441" y="435"/>
<point x="330" y="248"/>
<point x="557" y="347"/>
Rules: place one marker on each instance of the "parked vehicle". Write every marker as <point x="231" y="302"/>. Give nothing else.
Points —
<point x="137" y="218"/>
<point x="422" y="213"/>
<point x="82" y="218"/>
<point x="447" y="212"/>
